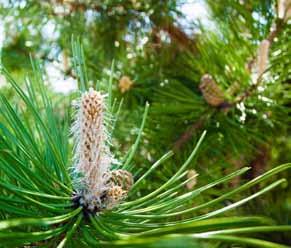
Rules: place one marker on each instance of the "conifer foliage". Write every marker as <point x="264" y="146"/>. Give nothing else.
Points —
<point x="42" y="204"/>
<point x="175" y="134"/>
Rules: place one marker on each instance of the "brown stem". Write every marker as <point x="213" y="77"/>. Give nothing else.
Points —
<point x="187" y="135"/>
<point x="175" y="32"/>
<point x="260" y="162"/>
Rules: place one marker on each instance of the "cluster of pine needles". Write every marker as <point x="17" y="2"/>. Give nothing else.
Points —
<point x="38" y="204"/>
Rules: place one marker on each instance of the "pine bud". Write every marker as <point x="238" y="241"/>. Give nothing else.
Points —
<point x="125" y="84"/>
<point x="212" y="93"/>
<point x="96" y="186"/>
<point x="92" y="155"/>
<point x="263" y="55"/>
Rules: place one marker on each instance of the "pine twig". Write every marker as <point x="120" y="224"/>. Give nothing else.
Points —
<point x="260" y="162"/>
<point x="272" y="35"/>
<point x="187" y="135"/>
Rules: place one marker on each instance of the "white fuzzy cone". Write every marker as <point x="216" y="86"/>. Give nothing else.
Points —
<point x="263" y="55"/>
<point x="97" y="187"/>
<point x="92" y="155"/>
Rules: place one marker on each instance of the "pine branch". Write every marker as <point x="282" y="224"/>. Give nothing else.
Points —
<point x="272" y="35"/>
<point x="175" y="32"/>
<point x="223" y="104"/>
<point x="187" y="135"/>
<point x="259" y="163"/>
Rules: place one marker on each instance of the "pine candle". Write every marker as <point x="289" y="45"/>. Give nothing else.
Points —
<point x="96" y="186"/>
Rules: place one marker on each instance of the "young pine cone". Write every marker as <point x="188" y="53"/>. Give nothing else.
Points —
<point x="212" y="93"/>
<point x="121" y="178"/>
<point x="120" y="182"/>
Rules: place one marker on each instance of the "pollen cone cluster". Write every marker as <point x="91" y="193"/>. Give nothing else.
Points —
<point x="96" y="186"/>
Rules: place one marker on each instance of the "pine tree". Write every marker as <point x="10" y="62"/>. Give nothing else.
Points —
<point x="220" y="88"/>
